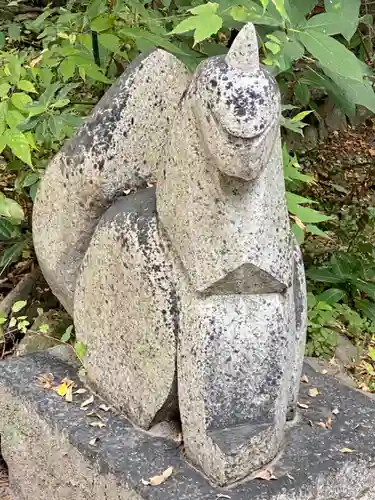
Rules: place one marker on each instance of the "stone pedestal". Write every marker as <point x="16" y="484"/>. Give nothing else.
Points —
<point x="49" y="449"/>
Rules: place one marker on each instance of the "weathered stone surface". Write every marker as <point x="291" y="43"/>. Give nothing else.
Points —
<point x="126" y="311"/>
<point x="118" y="147"/>
<point x="45" y="442"/>
<point x="242" y="289"/>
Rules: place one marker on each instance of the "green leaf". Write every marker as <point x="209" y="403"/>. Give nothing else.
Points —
<point x="332" y="54"/>
<point x="316" y="231"/>
<point x="13" y="67"/>
<point x="367" y="307"/>
<point x="347" y="14"/>
<point x="3" y="116"/>
<point x="19" y="145"/>
<point x="20" y="100"/>
<point x="11" y="209"/>
<point x="329" y="24"/>
<point x="102" y="23"/>
<point x="344" y="266"/>
<point x="90" y="68"/>
<point x="323" y="274"/>
<point x="4" y="89"/>
<point x="366" y="287"/>
<point x="11" y="254"/>
<point x="110" y="42"/>
<point x="371" y="353"/>
<point x="2" y="40"/>
<point x="30" y="179"/>
<point x="298" y="233"/>
<point x="17" y="306"/>
<point x="297" y="199"/>
<point x="280" y="7"/>
<point x="7" y="230"/>
<point x="14" y="118"/>
<point x="306" y="214"/>
<point x="67" y="68"/>
<point x="156" y="40"/>
<point x="80" y="349"/>
<point x="302" y="93"/>
<point x="356" y="92"/>
<point x="14" y="31"/>
<point x="26" y="86"/>
<point x="67" y="335"/>
<point x="204" y="22"/>
<point x="332" y="296"/>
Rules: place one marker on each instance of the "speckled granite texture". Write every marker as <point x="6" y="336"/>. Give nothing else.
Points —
<point x="45" y="442"/>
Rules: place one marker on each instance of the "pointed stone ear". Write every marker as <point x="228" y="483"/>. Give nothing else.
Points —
<point x="243" y="54"/>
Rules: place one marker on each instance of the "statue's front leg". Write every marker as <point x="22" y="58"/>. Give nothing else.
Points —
<point x="234" y="376"/>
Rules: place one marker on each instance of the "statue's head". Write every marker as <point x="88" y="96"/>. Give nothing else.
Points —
<point x="237" y="103"/>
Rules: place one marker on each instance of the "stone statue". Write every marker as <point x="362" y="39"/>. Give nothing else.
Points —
<point x="190" y="296"/>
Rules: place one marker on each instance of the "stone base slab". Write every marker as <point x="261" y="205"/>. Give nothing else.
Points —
<point x="46" y="444"/>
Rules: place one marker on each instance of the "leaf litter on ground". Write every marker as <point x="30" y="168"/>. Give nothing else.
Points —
<point x="160" y="479"/>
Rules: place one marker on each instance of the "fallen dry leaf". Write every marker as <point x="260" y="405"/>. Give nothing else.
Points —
<point x="314" y="392"/>
<point x="87" y="401"/>
<point x="220" y="495"/>
<point x="95" y="415"/>
<point x="346" y="450"/>
<point x="104" y="407"/>
<point x="65" y="388"/>
<point x="303" y="406"/>
<point x="35" y="61"/>
<point x="324" y="372"/>
<point x="46" y="380"/>
<point x="157" y="480"/>
<point x="266" y="475"/>
<point x="335" y="411"/>
<point x="321" y="424"/>
<point x="69" y="394"/>
<point x="372" y="152"/>
<point x="97" y="424"/>
<point x="305" y="379"/>
<point x="80" y="391"/>
<point x="93" y="441"/>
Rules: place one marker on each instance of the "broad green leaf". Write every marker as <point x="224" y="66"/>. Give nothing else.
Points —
<point x="156" y="40"/>
<point x="14" y="31"/>
<point x="11" y="209"/>
<point x="300" y="116"/>
<point x="371" y="353"/>
<point x="7" y="230"/>
<point x="273" y="47"/>
<point x="332" y="296"/>
<point x="20" y="100"/>
<point x="19" y="145"/>
<point x="110" y="42"/>
<point x="323" y="274"/>
<point x="12" y="68"/>
<point x="90" y="68"/>
<point x="12" y="254"/>
<point x="366" y="287"/>
<point x="344" y="266"/>
<point x="298" y="9"/>
<point x="102" y="23"/>
<point x="280" y="7"/>
<point x="26" y="86"/>
<point x="30" y="179"/>
<point x="67" y="68"/>
<point x="316" y="231"/>
<point x="95" y="8"/>
<point x="356" y="92"/>
<point x="332" y="54"/>
<point x="302" y="93"/>
<point x="346" y="12"/>
<point x="61" y="103"/>
<point x="297" y="199"/>
<point x="4" y="89"/>
<point x="204" y="22"/>
<point x="67" y="335"/>
<point x="14" y="118"/>
<point x="17" y="306"/>
<point x="329" y="24"/>
<point x="308" y="215"/>
<point x="367" y="307"/>
<point x="2" y="40"/>
<point x="3" y="115"/>
<point x="292" y="173"/>
<point x="80" y="349"/>
<point x="299" y="233"/>
<point x="36" y="109"/>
